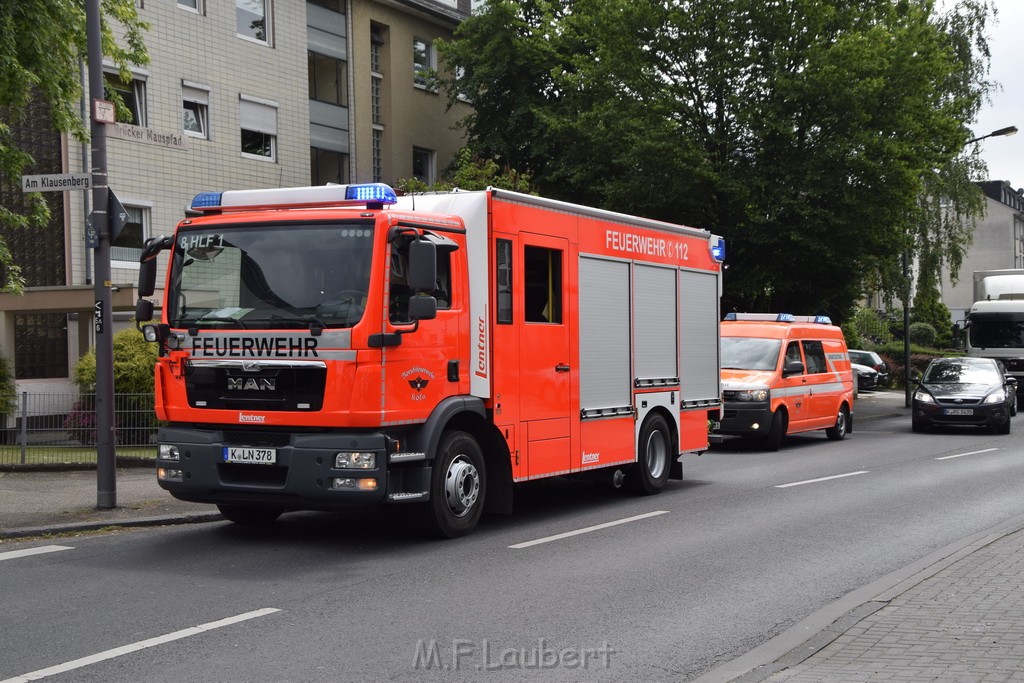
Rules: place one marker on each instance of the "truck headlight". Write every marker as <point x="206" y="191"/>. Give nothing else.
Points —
<point x="168" y="452"/>
<point x="355" y="461"/>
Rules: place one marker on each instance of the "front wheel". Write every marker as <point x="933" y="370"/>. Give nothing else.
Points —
<point x="249" y="515"/>
<point x="841" y="427"/>
<point x="777" y="431"/>
<point x="458" y="486"/>
<point x="654" y="452"/>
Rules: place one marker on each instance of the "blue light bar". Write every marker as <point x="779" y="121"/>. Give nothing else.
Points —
<point x="718" y="249"/>
<point x="784" y="318"/>
<point x="205" y="200"/>
<point x="371" y="192"/>
<point x="823" y="319"/>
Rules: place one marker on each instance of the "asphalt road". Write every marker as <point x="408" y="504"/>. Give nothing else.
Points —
<point x="747" y="545"/>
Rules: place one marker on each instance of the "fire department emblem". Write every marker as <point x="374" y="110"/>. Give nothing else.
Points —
<point x="418" y="383"/>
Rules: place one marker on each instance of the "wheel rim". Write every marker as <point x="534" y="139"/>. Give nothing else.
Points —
<point x="461" y="486"/>
<point x="841" y="423"/>
<point x="656" y="453"/>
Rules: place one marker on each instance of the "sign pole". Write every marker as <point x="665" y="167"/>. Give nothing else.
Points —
<point x="106" y="471"/>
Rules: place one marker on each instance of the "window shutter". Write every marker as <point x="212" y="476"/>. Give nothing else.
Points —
<point x="257" y="117"/>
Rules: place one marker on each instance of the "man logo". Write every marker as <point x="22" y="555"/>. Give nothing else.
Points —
<point x="251" y="384"/>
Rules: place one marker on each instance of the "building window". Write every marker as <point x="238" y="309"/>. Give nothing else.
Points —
<point x="128" y="245"/>
<point x="259" y="128"/>
<point x="40" y="345"/>
<point x="333" y="5"/>
<point x="378" y="155"/>
<point x="422" y="62"/>
<point x="193" y="5"/>
<point x="195" y="108"/>
<point x="327" y="166"/>
<point x="327" y="82"/>
<point x="133" y="97"/>
<point x="253" y="20"/>
<point x="423" y="165"/>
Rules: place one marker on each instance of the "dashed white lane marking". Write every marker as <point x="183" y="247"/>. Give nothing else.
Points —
<point x="814" y="481"/>
<point x="960" y="455"/>
<point x="596" y="527"/>
<point x="140" y="645"/>
<point x="14" y="554"/>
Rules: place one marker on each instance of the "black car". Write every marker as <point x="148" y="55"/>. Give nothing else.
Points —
<point x="964" y="391"/>
<point x="874" y="361"/>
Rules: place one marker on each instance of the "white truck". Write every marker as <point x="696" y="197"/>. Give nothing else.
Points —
<point x="995" y="321"/>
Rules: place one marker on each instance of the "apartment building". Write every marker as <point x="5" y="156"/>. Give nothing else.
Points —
<point x="255" y="93"/>
<point x="998" y="243"/>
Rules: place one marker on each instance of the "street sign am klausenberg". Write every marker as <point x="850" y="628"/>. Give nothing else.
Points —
<point x="56" y="182"/>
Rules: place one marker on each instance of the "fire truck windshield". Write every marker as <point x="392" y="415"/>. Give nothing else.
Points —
<point x="270" y="276"/>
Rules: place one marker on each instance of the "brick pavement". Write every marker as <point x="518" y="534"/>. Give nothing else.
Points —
<point x="964" y="623"/>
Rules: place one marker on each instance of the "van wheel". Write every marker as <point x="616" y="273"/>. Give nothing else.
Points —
<point x="457" y="488"/>
<point x="777" y="431"/>
<point x="249" y="515"/>
<point x="839" y="430"/>
<point x="654" y="452"/>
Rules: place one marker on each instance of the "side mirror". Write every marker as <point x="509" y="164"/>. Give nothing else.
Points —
<point x="422" y="307"/>
<point x="147" y="278"/>
<point x="792" y="367"/>
<point x="422" y="275"/>
<point x="143" y="311"/>
<point x="1010" y="379"/>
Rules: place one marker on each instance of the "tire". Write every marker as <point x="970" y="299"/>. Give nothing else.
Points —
<point x="458" y="487"/>
<point x="1013" y="406"/>
<point x="777" y="431"/>
<point x="1005" y="427"/>
<point x="838" y="431"/>
<point x="654" y="458"/>
<point x="918" y="426"/>
<point x="249" y="515"/>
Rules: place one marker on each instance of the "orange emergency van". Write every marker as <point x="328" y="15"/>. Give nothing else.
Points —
<point x="783" y="374"/>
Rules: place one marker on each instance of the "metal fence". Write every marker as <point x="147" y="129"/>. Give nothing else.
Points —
<point x="61" y="428"/>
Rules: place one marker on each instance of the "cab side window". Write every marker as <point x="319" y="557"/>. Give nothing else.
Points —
<point x="792" y="354"/>
<point x="814" y="352"/>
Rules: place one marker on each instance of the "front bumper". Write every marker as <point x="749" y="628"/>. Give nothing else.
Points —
<point x="981" y="414"/>
<point x="302" y="477"/>
<point x="746" y="418"/>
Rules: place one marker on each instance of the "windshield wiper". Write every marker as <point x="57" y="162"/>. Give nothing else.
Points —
<point x="217" y="318"/>
<point x="311" y="320"/>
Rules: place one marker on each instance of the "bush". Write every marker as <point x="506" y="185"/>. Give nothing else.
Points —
<point x="922" y="334"/>
<point x="134" y="360"/>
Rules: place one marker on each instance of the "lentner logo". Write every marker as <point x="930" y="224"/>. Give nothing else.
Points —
<point x="242" y="417"/>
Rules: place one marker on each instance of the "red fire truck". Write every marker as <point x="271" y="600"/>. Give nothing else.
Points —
<point x="323" y="347"/>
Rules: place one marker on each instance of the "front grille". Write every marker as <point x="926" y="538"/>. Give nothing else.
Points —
<point x="268" y="389"/>
<point x="960" y="402"/>
<point x="257" y="439"/>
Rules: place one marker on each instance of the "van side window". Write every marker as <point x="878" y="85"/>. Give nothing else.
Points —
<point x="793" y="353"/>
<point x="814" y="353"/>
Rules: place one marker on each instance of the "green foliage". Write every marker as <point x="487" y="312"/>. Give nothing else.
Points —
<point x="922" y="334"/>
<point x="871" y="326"/>
<point x="471" y="172"/>
<point x="929" y="309"/>
<point x="8" y="392"/>
<point x="803" y="131"/>
<point x="43" y="42"/>
<point x="134" y="359"/>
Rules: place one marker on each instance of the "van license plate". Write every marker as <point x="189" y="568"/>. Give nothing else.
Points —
<point x="959" y="411"/>
<point x="251" y="456"/>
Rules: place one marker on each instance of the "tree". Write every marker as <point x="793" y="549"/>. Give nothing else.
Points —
<point x="471" y="172"/>
<point x="803" y="131"/>
<point x="44" y="42"/>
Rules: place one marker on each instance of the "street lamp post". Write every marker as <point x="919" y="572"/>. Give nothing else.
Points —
<point x="1000" y="132"/>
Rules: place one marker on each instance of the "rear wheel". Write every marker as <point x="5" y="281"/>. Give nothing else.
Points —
<point x="249" y="515"/>
<point x="654" y="452"/>
<point x="841" y="427"/>
<point x="777" y="431"/>
<point x="458" y="485"/>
